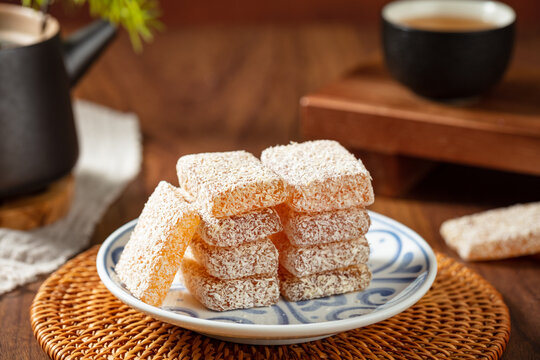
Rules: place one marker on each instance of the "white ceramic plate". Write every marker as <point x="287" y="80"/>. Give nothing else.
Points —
<point x="403" y="267"/>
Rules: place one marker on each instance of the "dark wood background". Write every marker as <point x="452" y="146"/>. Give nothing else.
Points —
<point x="228" y="75"/>
<point x="248" y="12"/>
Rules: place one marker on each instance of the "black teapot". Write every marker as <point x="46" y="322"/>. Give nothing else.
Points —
<point x="38" y="142"/>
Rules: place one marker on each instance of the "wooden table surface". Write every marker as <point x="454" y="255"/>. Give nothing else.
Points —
<point x="213" y="89"/>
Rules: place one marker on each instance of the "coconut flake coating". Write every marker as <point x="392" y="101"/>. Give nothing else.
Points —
<point x="155" y="249"/>
<point x="233" y="262"/>
<point x="220" y="295"/>
<point x="304" y="261"/>
<point x="495" y="234"/>
<point x="229" y="183"/>
<point x="354" y="278"/>
<point x="239" y="229"/>
<point x="306" y="229"/>
<point x="320" y="175"/>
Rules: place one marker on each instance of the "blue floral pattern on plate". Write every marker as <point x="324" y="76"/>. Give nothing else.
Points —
<point x="403" y="268"/>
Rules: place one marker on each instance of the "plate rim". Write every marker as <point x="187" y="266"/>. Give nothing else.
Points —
<point x="264" y="330"/>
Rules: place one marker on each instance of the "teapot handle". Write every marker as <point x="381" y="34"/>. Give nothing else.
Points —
<point x="83" y="47"/>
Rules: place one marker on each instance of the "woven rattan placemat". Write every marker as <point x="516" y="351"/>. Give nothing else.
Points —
<point x="461" y="317"/>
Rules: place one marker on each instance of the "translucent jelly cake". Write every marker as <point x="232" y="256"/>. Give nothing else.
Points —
<point x="353" y="278"/>
<point x="495" y="234"/>
<point x="304" y="261"/>
<point x="253" y="258"/>
<point x="305" y="229"/>
<point x="229" y="183"/>
<point x="220" y="295"/>
<point x="320" y="175"/>
<point x="238" y="229"/>
<point x="156" y="247"/>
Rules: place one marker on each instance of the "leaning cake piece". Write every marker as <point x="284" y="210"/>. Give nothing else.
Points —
<point x="229" y="183"/>
<point x="320" y="175"/>
<point x="156" y="247"/>
<point x="306" y="229"/>
<point x="232" y="262"/>
<point x="353" y="278"/>
<point x="220" y="295"/>
<point x="308" y="260"/>
<point x="495" y="234"/>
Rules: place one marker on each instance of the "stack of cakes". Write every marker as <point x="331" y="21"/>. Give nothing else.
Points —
<point x="322" y="249"/>
<point x="293" y="223"/>
<point x="232" y="263"/>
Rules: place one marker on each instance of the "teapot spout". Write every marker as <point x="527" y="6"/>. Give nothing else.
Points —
<point x="83" y="47"/>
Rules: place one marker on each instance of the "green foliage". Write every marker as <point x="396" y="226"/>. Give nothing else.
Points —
<point x="138" y="17"/>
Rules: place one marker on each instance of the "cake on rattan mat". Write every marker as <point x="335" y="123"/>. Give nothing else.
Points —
<point x="461" y="317"/>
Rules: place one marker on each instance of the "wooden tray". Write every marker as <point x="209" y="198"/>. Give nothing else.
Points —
<point x="75" y="317"/>
<point x="367" y="110"/>
<point x="39" y="209"/>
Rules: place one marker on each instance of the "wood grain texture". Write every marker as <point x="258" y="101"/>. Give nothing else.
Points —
<point x="368" y="110"/>
<point x="213" y="89"/>
<point x="197" y="12"/>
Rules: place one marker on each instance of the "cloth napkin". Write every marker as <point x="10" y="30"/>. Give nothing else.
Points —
<point x="110" y="156"/>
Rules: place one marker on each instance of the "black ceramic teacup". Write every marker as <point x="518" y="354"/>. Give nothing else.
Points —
<point x="439" y="61"/>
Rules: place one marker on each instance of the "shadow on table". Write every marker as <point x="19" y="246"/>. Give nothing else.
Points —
<point x="470" y="185"/>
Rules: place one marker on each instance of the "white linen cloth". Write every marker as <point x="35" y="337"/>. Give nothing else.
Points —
<point x="110" y="156"/>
